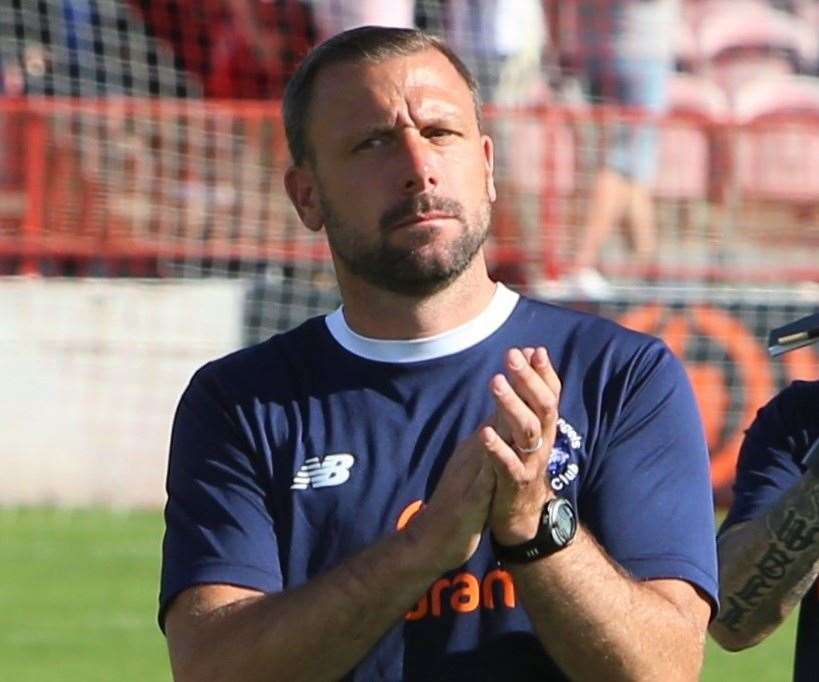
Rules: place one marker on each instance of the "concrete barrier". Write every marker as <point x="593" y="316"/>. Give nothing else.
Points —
<point x="90" y="374"/>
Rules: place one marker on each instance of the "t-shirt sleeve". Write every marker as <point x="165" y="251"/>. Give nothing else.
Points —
<point x="770" y="459"/>
<point x="650" y="501"/>
<point x="218" y="525"/>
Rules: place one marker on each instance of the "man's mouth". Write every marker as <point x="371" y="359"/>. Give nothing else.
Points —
<point x="418" y="218"/>
<point x="421" y="209"/>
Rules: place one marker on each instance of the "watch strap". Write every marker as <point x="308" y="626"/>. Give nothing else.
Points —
<point x="542" y="545"/>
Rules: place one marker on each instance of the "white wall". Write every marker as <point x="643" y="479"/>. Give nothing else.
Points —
<point x="90" y="374"/>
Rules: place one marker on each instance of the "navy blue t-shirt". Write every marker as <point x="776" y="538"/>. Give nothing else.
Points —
<point x="769" y="465"/>
<point x="289" y="456"/>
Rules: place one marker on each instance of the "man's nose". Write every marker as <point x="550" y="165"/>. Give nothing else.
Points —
<point x="418" y="168"/>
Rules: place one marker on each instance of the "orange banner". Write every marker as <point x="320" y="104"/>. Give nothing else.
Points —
<point x="725" y="356"/>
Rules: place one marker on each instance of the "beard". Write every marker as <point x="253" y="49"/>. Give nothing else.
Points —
<point x="419" y="267"/>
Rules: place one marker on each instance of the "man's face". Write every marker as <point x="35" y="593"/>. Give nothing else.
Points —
<point x="401" y="176"/>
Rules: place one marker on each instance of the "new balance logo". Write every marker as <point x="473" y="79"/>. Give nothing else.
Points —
<point x="322" y="473"/>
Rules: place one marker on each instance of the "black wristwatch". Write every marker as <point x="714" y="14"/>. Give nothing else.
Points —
<point x="558" y="525"/>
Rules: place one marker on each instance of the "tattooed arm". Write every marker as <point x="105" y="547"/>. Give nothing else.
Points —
<point x="767" y="565"/>
<point x="769" y="543"/>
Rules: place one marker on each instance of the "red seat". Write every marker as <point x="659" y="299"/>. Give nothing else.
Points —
<point x="695" y="105"/>
<point x="742" y="40"/>
<point x="777" y="147"/>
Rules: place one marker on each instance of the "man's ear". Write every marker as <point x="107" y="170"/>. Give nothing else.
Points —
<point x="489" y="161"/>
<point x="300" y="183"/>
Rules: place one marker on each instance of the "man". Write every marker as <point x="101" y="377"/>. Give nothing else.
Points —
<point x="340" y="496"/>
<point x="768" y="549"/>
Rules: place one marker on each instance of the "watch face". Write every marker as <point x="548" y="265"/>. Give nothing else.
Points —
<point x="563" y="522"/>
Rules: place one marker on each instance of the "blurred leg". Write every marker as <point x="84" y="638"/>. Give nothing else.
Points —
<point x="607" y="205"/>
<point x="641" y="223"/>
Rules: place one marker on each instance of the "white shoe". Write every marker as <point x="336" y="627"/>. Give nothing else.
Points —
<point x="552" y="289"/>
<point x="589" y="283"/>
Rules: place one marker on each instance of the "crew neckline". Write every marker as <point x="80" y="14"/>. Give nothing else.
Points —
<point x="440" y="345"/>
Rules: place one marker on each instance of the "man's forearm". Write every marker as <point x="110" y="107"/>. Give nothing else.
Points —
<point x="315" y="632"/>
<point x="321" y="630"/>
<point x="596" y="622"/>
<point x="766" y="567"/>
<point x="600" y="624"/>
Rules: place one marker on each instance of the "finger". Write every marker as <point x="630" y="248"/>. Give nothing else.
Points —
<point x="466" y="464"/>
<point x="504" y="460"/>
<point x="543" y="366"/>
<point x="532" y="388"/>
<point x="517" y="422"/>
<point x="519" y="485"/>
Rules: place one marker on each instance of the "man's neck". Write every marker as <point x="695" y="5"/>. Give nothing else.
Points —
<point x="380" y="314"/>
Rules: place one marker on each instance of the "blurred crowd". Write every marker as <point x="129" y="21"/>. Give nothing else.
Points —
<point x="248" y="48"/>
<point x="644" y="56"/>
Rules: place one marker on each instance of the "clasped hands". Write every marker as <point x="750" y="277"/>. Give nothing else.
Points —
<point x="497" y="476"/>
<point x="519" y="442"/>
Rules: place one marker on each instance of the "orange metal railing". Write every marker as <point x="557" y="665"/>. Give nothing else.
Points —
<point x="142" y="179"/>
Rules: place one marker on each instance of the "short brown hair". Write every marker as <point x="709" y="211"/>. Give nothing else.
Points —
<point x="367" y="43"/>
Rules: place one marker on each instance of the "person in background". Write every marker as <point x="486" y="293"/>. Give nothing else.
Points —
<point x="626" y="54"/>
<point x="769" y="542"/>
<point x="256" y="47"/>
<point x="335" y="16"/>
<point x="237" y="49"/>
<point x="442" y="479"/>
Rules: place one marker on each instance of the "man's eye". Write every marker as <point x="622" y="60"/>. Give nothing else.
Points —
<point x="441" y="133"/>
<point x="371" y="143"/>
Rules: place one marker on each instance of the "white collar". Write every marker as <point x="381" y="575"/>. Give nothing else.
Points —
<point x="452" y="341"/>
